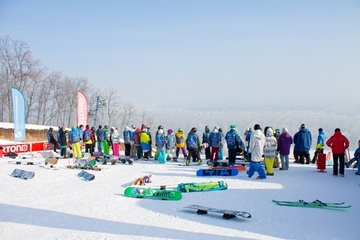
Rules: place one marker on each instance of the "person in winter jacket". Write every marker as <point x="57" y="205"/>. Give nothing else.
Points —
<point x="356" y="159"/>
<point x="320" y="145"/>
<point x="296" y="147"/>
<point x="221" y="149"/>
<point x="233" y="141"/>
<point x="51" y="138"/>
<point x="206" y="143"/>
<point x="247" y="135"/>
<point x="137" y="143"/>
<point x="193" y="145"/>
<point x="160" y="139"/>
<point x="87" y="139"/>
<point x="338" y="144"/>
<point x="107" y="140"/>
<point x="170" y="146"/>
<point x="115" y="139"/>
<point x="145" y="142"/>
<point x="270" y="151"/>
<point x="63" y="141"/>
<point x="215" y="142"/>
<point x="284" y="145"/>
<point x="100" y="139"/>
<point x="74" y="138"/>
<point x="256" y="148"/>
<point x="127" y="143"/>
<point x="180" y="143"/>
<point x="303" y="142"/>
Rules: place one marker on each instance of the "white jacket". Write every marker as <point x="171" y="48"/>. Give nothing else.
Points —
<point x="256" y="145"/>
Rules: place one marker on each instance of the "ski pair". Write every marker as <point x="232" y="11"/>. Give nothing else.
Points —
<point x="314" y="204"/>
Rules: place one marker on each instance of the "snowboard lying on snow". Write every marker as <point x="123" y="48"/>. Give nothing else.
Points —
<point x="227" y="214"/>
<point x="18" y="173"/>
<point x="142" y="192"/>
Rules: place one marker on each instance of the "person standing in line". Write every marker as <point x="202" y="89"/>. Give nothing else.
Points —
<point x="145" y="142"/>
<point x="170" y="146"/>
<point x="137" y="144"/>
<point x="193" y="144"/>
<point x="284" y="145"/>
<point x="149" y="133"/>
<point x="270" y="151"/>
<point x="126" y="136"/>
<point x="51" y="138"/>
<point x="74" y="138"/>
<point x="221" y="149"/>
<point x="160" y="139"/>
<point x="205" y="143"/>
<point x="63" y="141"/>
<point x="107" y="140"/>
<point x="247" y="136"/>
<point x="215" y="143"/>
<point x="338" y="144"/>
<point x="100" y="139"/>
<point x="93" y="139"/>
<point x="296" y="148"/>
<point x="256" y="148"/>
<point x="320" y="145"/>
<point x="87" y="139"/>
<point x="115" y="140"/>
<point x="304" y="141"/>
<point x="133" y="147"/>
<point x="180" y="143"/>
<point x="233" y="140"/>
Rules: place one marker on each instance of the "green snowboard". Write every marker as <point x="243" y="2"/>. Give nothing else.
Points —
<point x="142" y="192"/>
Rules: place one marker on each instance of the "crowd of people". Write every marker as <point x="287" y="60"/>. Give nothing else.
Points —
<point x="259" y="146"/>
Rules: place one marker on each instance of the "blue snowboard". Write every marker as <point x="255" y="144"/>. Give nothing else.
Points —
<point x="84" y="175"/>
<point x="18" y="173"/>
<point x="217" y="172"/>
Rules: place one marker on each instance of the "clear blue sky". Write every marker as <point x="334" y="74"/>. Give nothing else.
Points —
<point x="276" y="53"/>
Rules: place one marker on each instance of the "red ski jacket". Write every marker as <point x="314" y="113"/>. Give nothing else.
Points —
<point x="338" y="143"/>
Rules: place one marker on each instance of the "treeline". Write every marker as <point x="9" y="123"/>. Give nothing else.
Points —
<point x="51" y="96"/>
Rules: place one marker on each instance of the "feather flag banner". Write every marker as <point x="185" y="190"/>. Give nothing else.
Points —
<point x="19" y="110"/>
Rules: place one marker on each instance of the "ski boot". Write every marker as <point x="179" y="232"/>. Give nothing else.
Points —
<point x="187" y="162"/>
<point x="199" y="162"/>
<point x="209" y="163"/>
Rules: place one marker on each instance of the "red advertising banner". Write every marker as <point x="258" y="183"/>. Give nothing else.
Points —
<point x="26" y="147"/>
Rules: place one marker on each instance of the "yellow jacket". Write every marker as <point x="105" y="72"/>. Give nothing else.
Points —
<point x="180" y="140"/>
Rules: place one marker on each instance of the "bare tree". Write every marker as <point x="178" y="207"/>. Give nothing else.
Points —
<point x="18" y="69"/>
<point x="128" y="112"/>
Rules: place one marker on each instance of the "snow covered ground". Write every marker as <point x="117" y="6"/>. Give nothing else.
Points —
<point x="56" y="204"/>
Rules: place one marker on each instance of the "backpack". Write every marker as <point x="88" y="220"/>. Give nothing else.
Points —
<point x="160" y="141"/>
<point x="192" y="140"/>
<point x="86" y="135"/>
<point x="230" y="138"/>
<point x="214" y="138"/>
<point x="74" y="136"/>
<point x="179" y="140"/>
<point x="171" y="141"/>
